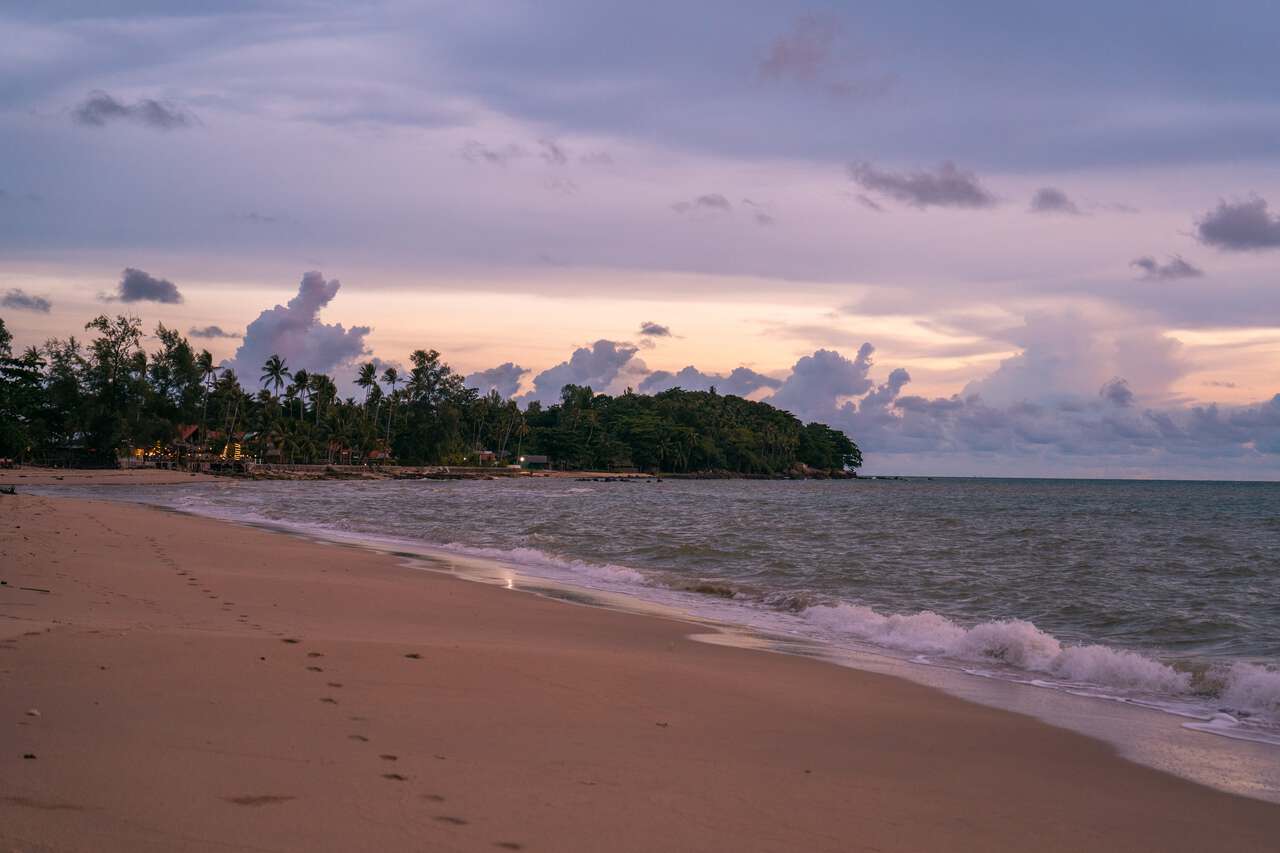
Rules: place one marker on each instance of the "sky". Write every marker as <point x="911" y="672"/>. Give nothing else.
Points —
<point x="999" y="238"/>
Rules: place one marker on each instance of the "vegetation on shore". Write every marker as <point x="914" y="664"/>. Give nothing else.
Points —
<point x="91" y="403"/>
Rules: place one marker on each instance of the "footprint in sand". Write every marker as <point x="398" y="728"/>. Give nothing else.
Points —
<point x="334" y="683"/>
<point x="435" y="798"/>
<point x="395" y="777"/>
<point x="456" y="821"/>
<point x="259" y="799"/>
<point x="360" y="738"/>
<point x="509" y="845"/>
<point x="290" y="640"/>
<point x="386" y="756"/>
<point x="414" y="656"/>
<point x="329" y="700"/>
<point x="315" y="669"/>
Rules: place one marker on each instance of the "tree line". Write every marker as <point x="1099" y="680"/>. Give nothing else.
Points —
<point x="91" y="402"/>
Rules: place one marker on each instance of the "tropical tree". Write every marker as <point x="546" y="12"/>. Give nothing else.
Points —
<point x="275" y="373"/>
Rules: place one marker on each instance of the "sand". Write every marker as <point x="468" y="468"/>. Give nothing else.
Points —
<point x="200" y="686"/>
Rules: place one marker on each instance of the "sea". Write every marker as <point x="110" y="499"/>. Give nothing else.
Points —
<point x="1143" y="612"/>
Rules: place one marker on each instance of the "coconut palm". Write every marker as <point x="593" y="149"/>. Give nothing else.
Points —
<point x="302" y="381"/>
<point x="208" y="373"/>
<point x="275" y="372"/>
<point x="391" y="377"/>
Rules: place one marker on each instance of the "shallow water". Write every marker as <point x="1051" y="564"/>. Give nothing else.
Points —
<point x="1164" y="594"/>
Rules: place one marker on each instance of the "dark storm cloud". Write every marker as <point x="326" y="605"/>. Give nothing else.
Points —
<point x="1176" y="267"/>
<point x="657" y="330"/>
<point x="740" y="381"/>
<point x="139" y="286"/>
<point x="100" y="108"/>
<point x="947" y="186"/>
<point x="210" y="332"/>
<point x="1053" y="200"/>
<point x="295" y="333"/>
<point x="1240" y="226"/>
<point x="20" y="300"/>
<point x="597" y="366"/>
<point x="711" y="202"/>
<point x="505" y="379"/>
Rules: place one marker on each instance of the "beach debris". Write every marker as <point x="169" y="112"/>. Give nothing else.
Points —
<point x="662" y="725"/>
<point x="12" y="490"/>
<point x="290" y="640"/>
<point x="34" y="589"/>
<point x="312" y="668"/>
<point x="329" y="700"/>
<point x="315" y="654"/>
<point x="29" y="756"/>
<point x="395" y="777"/>
<point x="33" y="712"/>
<point x="414" y="656"/>
<point x="386" y="756"/>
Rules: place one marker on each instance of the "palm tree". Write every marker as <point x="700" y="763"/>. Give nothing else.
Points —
<point x="275" y="372"/>
<point x="204" y="363"/>
<point x="302" y="381"/>
<point x="391" y="376"/>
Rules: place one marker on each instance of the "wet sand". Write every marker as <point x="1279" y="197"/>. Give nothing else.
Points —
<point x="202" y="686"/>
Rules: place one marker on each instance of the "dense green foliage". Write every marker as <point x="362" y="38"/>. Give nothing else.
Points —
<point x="68" y="402"/>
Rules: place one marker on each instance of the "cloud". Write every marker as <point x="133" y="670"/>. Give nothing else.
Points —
<point x="869" y="203"/>
<point x="505" y="379"/>
<point x="211" y="332"/>
<point x="1117" y="392"/>
<point x="553" y="153"/>
<point x="597" y="365"/>
<point x="741" y="381"/>
<point x="804" y="53"/>
<point x="711" y="202"/>
<point x="1241" y="226"/>
<point x="477" y="152"/>
<point x="20" y="300"/>
<point x="819" y="382"/>
<point x="295" y="333"/>
<point x="948" y="186"/>
<point x="1101" y="431"/>
<point x="759" y="214"/>
<point x="1065" y="355"/>
<point x="139" y="286"/>
<point x="1053" y="200"/>
<point x="1176" y="268"/>
<point x="809" y="55"/>
<point x="100" y="108"/>
<point x="657" y="330"/>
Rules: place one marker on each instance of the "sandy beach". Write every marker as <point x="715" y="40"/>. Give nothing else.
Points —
<point x="175" y="683"/>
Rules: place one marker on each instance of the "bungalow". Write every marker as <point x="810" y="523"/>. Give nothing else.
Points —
<point x="534" y="461"/>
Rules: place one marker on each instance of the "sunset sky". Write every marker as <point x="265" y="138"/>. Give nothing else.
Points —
<point x="1056" y="225"/>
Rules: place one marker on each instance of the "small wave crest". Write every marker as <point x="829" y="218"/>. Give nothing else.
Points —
<point x="532" y="558"/>
<point x="1013" y="643"/>
<point x="1253" y="688"/>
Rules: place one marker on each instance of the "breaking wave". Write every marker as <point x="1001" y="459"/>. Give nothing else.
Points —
<point x="1242" y="688"/>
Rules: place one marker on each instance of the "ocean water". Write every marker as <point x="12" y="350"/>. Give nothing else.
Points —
<point x="1159" y="594"/>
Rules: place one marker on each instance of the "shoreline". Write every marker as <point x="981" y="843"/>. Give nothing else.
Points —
<point x="556" y="687"/>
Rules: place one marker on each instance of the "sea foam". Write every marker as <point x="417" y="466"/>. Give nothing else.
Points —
<point x="1013" y="643"/>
